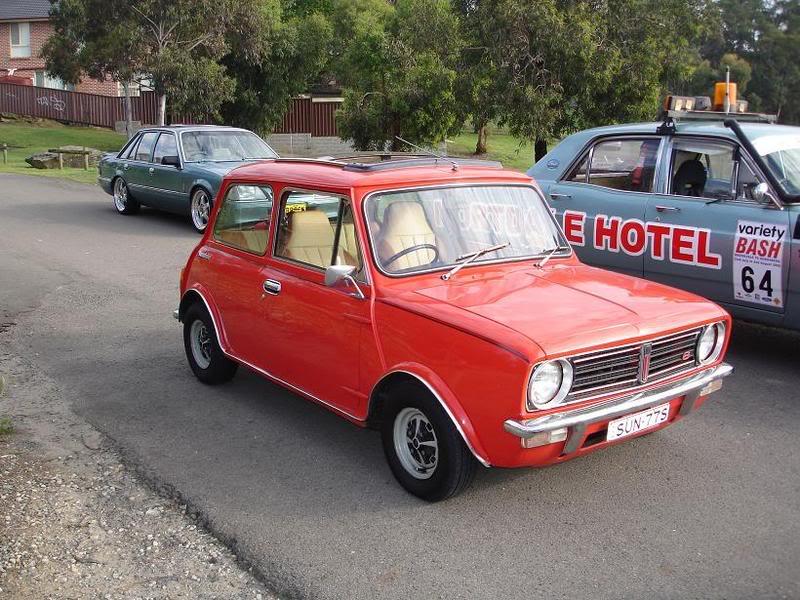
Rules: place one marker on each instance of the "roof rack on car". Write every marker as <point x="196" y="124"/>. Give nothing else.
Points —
<point x="359" y="163"/>
<point x="710" y="115"/>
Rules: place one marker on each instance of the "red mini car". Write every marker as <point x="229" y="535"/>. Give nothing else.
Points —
<point x="439" y="302"/>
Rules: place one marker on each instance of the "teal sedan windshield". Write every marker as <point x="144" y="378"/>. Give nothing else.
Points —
<point x="221" y="146"/>
<point x="781" y="153"/>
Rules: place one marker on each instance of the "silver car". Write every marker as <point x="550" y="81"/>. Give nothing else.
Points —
<point x="710" y="206"/>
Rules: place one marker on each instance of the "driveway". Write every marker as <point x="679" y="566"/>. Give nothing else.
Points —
<point x="709" y="508"/>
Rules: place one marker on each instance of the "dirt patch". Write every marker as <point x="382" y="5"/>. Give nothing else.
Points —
<point x="75" y="523"/>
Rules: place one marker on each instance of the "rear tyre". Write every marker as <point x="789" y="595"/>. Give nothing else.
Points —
<point x="206" y="358"/>
<point x="200" y="209"/>
<point x="424" y="450"/>
<point x="123" y="201"/>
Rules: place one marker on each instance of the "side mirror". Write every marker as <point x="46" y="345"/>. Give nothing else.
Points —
<point x="762" y="195"/>
<point x="336" y="274"/>
<point x="171" y="160"/>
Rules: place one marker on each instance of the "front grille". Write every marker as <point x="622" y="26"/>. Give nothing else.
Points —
<point x="610" y="371"/>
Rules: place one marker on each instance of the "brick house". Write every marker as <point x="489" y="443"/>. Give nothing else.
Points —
<point x="24" y="28"/>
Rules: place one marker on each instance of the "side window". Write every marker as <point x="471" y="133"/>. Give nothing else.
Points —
<point x="578" y="174"/>
<point x="166" y="146"/>
<point x="145" y="146"/>
<point x="702" y="169"/>
<point x="243" y="219"/>
<point x="130" y="150"/>
<point x="628" y="164"/>
<point x="318" y="229"/>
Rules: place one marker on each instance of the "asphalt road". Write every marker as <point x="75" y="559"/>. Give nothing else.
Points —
<point x="708" y="508"/>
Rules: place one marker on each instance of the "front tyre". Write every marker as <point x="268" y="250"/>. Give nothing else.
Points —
<point x="206" y="358"/>
<point x="422" y="446"/>
<point x="200" y="209"/>
<point x="123" y="201"/>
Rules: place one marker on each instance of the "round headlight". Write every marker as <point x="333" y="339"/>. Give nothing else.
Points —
<point x="550" y="383"/>
<point x="709" y="344"/>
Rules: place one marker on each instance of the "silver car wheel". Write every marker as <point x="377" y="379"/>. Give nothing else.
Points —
<point x="200" y="341"/>
<point x="415" y="443"/>
<point x="120" y="195"/>
<point x="201" y="209"/>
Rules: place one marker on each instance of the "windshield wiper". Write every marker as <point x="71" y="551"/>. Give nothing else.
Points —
<point x="547" y="257"/>
<point x="470" y="257"/>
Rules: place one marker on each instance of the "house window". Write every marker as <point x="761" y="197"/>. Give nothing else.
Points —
<point x="42" y="79"/>
<point x="134" y="88"/>
<point x="20" y="40"/>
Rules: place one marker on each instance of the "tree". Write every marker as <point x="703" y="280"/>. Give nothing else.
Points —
<point x="476" y="86"/>
<point x="177" y="44"/>
<point x="85" y="42"/>
<point x="397" y="67"/>
<point x="287" y="57"/>
<point x="570" y="64"/>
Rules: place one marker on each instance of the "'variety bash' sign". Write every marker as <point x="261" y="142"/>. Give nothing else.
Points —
<point x="758" y="262"/>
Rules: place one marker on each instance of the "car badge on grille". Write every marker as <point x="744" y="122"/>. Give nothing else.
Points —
<point x="644" y="362"/>
<point x="686" y="356"/>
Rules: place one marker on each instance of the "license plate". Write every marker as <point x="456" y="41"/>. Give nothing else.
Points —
<point x="631" y="424"/>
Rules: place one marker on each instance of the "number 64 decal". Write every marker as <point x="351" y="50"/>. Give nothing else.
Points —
<point x="749" y="285"/>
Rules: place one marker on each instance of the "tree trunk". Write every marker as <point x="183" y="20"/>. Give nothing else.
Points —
<point x="126" y="87"/>
<point x="480" y="146"/>
<point x="162" y="109"/>
<point x="539" y="149"/>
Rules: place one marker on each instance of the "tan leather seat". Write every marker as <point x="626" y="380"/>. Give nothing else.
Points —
<point x="348" y="245"/>
<point x="309" y="238"/>
<point x="405" y="225"/>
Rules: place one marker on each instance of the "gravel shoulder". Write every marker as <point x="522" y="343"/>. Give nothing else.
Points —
<point x="75" y="522"/>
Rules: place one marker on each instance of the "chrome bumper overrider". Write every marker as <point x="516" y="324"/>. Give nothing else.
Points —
<point x="576" y="421"/>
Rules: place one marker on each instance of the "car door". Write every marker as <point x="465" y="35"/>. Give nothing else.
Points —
<point x="710" y="236"/>
<point x="136" y="169"/>
<point x="232" y="262"/>
<point x="601" y="201"/>
<point x="166" y="181"/>
<point x="317" y="331"/>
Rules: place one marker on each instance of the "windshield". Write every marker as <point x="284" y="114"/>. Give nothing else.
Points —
<point x="781" y="153"/>
<point x="420" y="230"/>
<point x="224" y="146"/>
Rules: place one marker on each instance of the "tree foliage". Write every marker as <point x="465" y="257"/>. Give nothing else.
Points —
<point x="398" y="67"/>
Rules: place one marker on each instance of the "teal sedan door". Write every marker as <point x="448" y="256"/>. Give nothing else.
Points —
<point x="708" y="234"/>
<point x="137" y="167"/>
<point x="166" y="181"/>
<point x="601" y="201"/>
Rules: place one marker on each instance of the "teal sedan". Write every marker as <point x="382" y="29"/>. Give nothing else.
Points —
<point x="178" y="168"/>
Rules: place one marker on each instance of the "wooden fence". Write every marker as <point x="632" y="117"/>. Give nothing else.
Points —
<point x="315" y="116"/>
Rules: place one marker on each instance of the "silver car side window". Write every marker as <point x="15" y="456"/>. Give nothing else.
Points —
<point x="703" y="169"/>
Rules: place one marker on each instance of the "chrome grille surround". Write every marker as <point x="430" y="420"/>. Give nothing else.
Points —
<point x="633" y="365"/>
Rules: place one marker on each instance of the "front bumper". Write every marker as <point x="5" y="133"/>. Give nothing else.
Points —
<point x="577" y="420"/>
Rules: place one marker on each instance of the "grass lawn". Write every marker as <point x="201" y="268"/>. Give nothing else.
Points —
<point x="25" y="138"/>
<point x="501" y="146"/>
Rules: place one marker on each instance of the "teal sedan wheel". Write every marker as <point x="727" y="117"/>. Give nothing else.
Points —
<point x="200" y="209"/>
<point x="123" y="201"/>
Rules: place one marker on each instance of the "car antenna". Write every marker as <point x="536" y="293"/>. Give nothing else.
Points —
<point x="429" y="151"/>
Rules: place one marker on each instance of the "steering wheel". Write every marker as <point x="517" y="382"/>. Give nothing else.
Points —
<point x="410" y="249"/>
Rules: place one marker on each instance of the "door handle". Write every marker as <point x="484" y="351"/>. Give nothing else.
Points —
<point x="661" y="208"/>
<point x="151" y="170"/>
<point x="558" y="195"/>
<point x="272" y="287"/>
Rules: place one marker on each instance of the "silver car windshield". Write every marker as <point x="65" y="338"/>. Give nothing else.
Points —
<point x="221" y="146"/>
<point x="781" y="153"/>
<point x="420" y="230"/>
